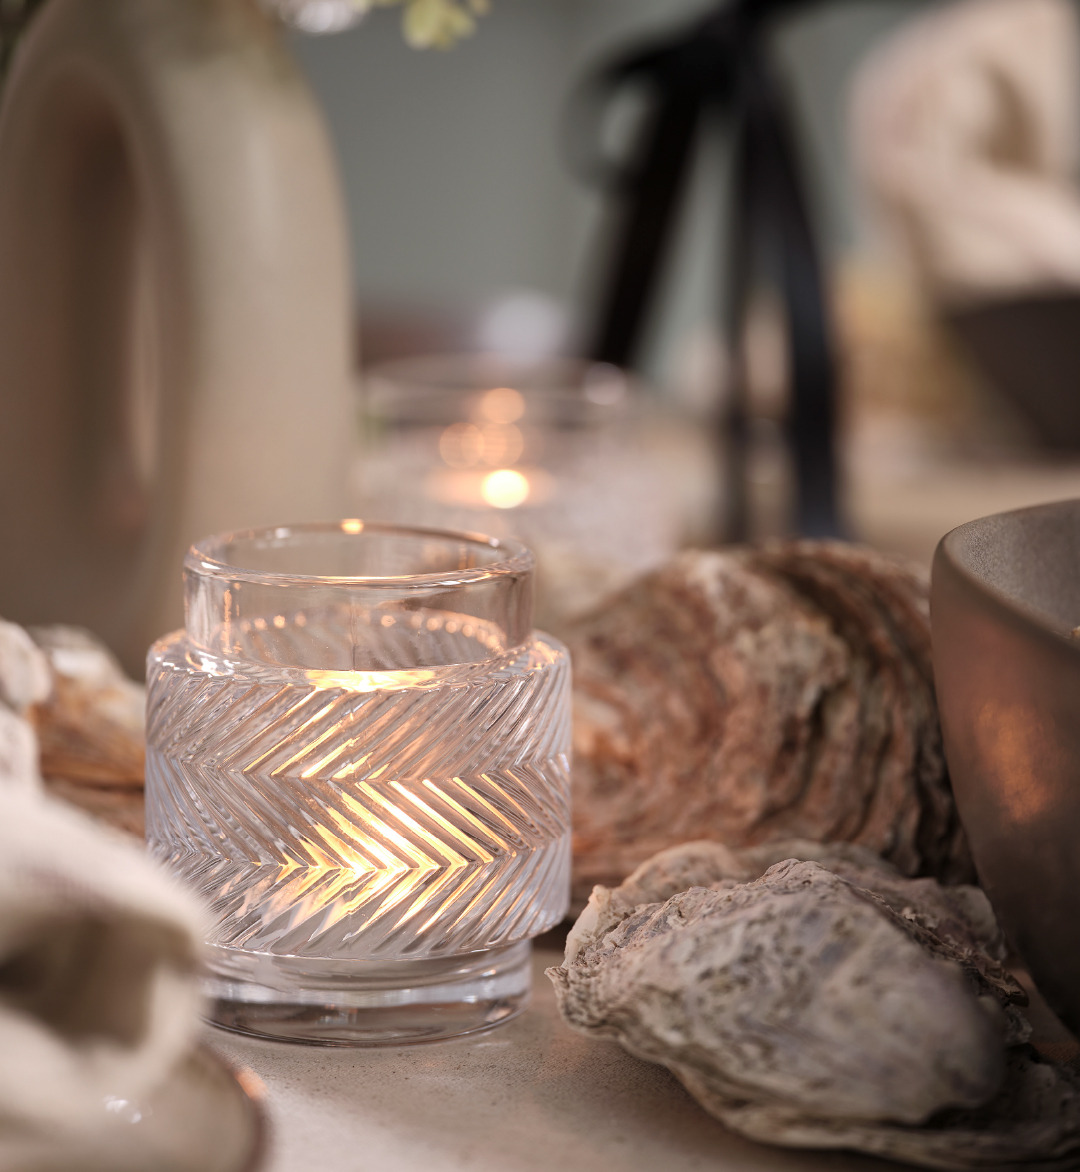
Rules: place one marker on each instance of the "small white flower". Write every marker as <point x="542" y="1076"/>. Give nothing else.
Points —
<point x="426" y="23"/>
<point x="318" y="16"/>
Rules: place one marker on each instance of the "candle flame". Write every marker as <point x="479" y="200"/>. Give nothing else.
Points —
<point x="352" y="680"/>
<point x="505" y="488"/>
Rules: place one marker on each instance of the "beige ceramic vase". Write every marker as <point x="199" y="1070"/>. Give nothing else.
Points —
<point x="175" y="324"/>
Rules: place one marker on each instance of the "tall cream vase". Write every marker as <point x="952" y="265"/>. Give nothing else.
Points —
<point x="175" y="324"/>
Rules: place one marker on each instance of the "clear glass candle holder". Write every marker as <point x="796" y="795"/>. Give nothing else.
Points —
<point x="559" y="452"/>
<point x="358" y="754"/>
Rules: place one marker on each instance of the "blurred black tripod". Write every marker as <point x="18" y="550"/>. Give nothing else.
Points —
<point x="718" y="68"/>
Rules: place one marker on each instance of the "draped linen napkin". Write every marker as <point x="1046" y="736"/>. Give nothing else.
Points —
<point x="966" y="136"/>
<point x="98" y="947"/>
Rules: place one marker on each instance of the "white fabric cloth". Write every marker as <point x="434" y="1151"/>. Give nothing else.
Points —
<point x="98" y="947"/>
<point x="966" y="133"/>
<point x="98" y="952"/>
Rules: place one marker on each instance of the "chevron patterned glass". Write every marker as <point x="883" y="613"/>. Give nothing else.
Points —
<point x="358" y="754"/>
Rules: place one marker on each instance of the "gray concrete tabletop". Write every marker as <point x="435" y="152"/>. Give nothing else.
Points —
<point x="528" y="1096"/>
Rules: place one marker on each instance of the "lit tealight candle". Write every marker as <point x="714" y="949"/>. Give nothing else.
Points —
<point x="505" y="488"/>
<point x="358" y="752"/>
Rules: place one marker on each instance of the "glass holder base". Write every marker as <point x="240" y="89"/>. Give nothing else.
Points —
<point x="362" y="1003"/>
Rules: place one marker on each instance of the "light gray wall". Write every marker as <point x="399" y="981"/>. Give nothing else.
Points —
<point x="456" y="185"/>
<point x="449" y="159"/>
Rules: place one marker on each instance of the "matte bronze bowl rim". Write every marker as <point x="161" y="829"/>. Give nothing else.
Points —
<point x="1030" y="617"/>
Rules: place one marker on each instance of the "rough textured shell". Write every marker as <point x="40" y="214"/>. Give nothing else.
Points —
<point x="757" y="695"/>
<point x="828" y="1003"/>
<point x="91" y="726"/>
<point x="68" y="711"/>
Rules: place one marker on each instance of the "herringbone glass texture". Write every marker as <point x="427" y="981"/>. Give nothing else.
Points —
<point x="386" y="815"/>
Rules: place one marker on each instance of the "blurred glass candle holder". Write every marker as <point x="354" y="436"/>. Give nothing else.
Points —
<point x="358" y="753"/>
<point x="548" y="450"/>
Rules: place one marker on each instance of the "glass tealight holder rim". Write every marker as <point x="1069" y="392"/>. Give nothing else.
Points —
<point x="518" y="559"/>
<point x="395" y="386"/>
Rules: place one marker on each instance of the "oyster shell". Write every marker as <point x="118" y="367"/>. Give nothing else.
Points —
<point x="828" y="1002"/>
<point x="91" y="726"/>
<point x="68" y="711"/>
<point x="117" y="806"/>
<point x="755" y="695"/>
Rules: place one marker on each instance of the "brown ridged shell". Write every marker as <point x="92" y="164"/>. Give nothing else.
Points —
<point x="754" y="695"/>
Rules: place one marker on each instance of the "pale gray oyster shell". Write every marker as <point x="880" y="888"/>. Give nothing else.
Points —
<point x="811" y="996"/>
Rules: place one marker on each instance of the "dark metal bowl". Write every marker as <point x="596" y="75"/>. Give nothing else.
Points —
<point x="1005" y="601"/>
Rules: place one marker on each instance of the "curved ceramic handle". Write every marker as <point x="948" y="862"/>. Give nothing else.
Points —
<point x="175" y="322"/>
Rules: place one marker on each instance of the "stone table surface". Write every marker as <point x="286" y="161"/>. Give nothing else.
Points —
<point x="529" y="1096"/>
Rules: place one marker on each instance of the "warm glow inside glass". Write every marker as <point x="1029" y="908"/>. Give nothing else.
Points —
<point x="358" y="753"/>
<point x="548" y="450"/>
